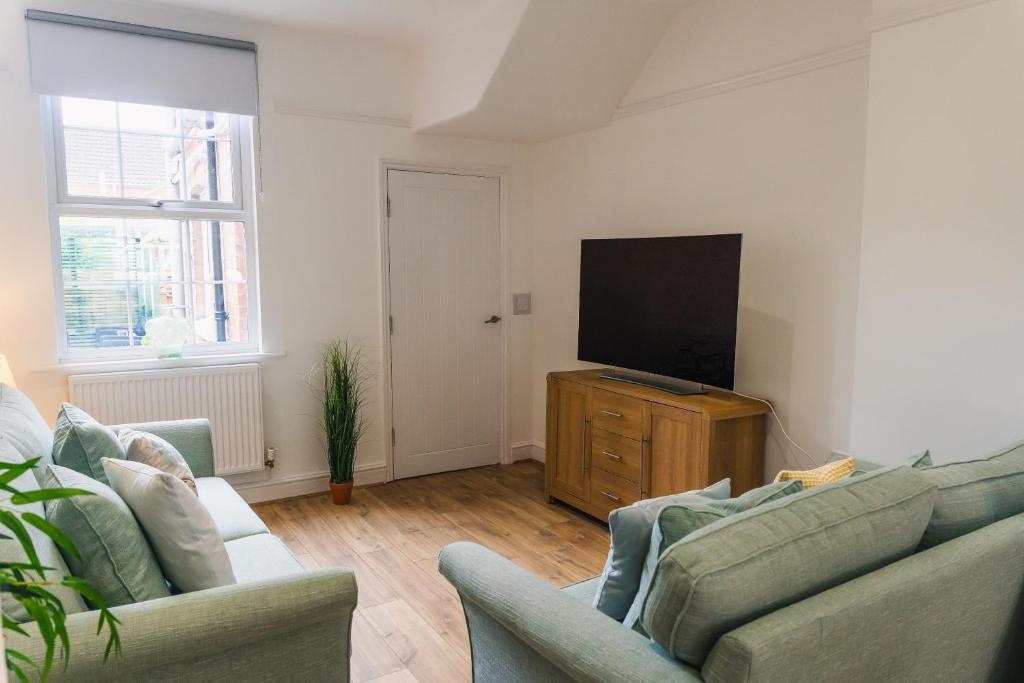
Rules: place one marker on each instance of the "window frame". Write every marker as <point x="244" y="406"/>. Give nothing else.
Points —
<point x="240" y="209"/>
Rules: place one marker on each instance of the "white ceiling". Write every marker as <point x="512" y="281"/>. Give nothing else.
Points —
<point x="399" y="20"/>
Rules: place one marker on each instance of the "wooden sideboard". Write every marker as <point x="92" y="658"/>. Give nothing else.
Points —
<point x="610" y="444"/>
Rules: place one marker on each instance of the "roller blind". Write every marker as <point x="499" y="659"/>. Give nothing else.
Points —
<point x="107" y="60"/>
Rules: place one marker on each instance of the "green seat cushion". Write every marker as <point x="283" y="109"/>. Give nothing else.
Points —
<point x="584" y="590"/>
<point x="975" y="494"/>
<point x="261" y="557"/>
<point x="631" y="528"/>
<point x="747" y="565"/>
<point x="114" y="554"/>
<point x="79" y="442"/>
<point x="24" y="429"/>
<point x="677" y="521"/>
<point x="232" y="515"/>
<point x="49" y="556"/>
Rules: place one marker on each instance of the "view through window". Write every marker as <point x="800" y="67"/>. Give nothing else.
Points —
<point x="153" y="221"/>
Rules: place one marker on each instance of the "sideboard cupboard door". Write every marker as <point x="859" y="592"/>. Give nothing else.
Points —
<point x="567" y="431"/>
<point x="676" y="463"/>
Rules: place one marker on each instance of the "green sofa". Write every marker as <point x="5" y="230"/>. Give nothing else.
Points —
<point x="279" y="622"/>
<point x="845" y="591"/>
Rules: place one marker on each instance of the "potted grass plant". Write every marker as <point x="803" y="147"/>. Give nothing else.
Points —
<point x="341" y="391"/>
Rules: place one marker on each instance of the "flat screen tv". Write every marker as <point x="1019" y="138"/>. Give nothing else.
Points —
<point x="662" y="305"/>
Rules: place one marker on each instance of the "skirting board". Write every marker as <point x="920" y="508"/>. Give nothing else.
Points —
<point x="528" y="450"/>
<point x="305" y="484"/>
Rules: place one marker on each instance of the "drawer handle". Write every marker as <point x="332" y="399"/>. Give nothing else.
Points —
<point x="612" y="456"/>
<point x="615" y="498"/>
<point x="610" y="413"/>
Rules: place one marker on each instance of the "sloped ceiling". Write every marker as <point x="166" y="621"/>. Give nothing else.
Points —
<point x="532" y="70"/>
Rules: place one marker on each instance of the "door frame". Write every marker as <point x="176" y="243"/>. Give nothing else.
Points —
<point x="500" y="173"/>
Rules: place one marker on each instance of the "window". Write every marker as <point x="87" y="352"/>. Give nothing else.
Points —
<point x="152" y="217"/>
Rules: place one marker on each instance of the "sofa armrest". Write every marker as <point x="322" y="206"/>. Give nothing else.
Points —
<point x="298" y="625"/>
<point x="522" y="628"/>
<point x="192" y="438"/>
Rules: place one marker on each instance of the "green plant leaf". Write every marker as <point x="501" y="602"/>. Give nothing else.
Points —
<point x="53" y="532"/>
<point x="26" y="497"/>
<point x="11" y="521"/>
<point x="14" y="472"/>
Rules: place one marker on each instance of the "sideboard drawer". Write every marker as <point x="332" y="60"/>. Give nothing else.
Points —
<point x="609" y="492"/>
<point x="616" y="454"/>
<point x="617" y="413"/>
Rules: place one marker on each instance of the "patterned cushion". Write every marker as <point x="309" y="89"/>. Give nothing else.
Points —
<point x="827" y="473"/>
<point x="181" y="532"/>
<point x="11" y="551"/>
<point x="743" y="567"/>
<point x="24" y="429"/>
<point x="154" y="451"/>
<point x="114" y="554"/>
<point x="975" y="494"/>
<point x="79" y="442"/>
<point x="630" y="538"/>
<point x="679" y="520"/>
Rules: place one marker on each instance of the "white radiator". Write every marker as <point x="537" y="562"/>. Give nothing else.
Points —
<point x="228" y="396"/>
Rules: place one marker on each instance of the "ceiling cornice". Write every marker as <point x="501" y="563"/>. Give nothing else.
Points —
<point x="887" y="20"/>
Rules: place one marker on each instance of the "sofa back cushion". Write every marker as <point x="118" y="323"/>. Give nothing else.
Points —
<point x="113" y="554"/>
<point x="975" y="494"/>
<point x="24" y="428"/>
<point x="631" y="528"/>
<point x="745" y="566"/>
<point x="46" y="549"/>
<point x="80" y="442"/>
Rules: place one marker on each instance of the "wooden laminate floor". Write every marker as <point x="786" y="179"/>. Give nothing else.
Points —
<point x="409" y="624"/>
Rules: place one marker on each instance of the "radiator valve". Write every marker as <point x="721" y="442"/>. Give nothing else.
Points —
<point x="271" y="455"/>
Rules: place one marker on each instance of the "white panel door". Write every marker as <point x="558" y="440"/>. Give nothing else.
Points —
<point x="445" y="278"/>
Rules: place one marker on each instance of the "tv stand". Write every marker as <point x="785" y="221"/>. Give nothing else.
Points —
<point x="679" y="387"/>
<point x="612" y="443"/>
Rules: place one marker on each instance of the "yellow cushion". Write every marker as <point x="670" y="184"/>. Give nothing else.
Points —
<point x="833" y="471"/>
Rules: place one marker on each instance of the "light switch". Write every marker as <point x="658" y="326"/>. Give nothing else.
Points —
<point x="521" y="304"/>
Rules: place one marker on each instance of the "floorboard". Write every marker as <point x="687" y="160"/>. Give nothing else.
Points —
<point x="409" y="626"/>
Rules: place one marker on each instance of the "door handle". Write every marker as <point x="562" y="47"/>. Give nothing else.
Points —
<point x="612" y="413"/>
<point x="611" y="497"/>
<point x="612" y="456"/>
<point x="493" y="319"/>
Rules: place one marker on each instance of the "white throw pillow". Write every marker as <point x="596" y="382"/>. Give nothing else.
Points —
<point x="181" y="531"/>
<point x="154" y="451"/>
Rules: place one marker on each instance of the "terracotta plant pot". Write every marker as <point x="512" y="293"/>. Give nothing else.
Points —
<point x="341" y="493"/>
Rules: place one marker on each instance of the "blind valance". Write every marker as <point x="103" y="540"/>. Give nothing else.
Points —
<point x="109" y="60"/>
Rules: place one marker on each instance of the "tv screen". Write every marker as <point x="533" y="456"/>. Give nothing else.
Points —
<point x="663" y="305"/>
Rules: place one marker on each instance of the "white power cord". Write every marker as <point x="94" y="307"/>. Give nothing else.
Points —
<point x="781" y="427"/>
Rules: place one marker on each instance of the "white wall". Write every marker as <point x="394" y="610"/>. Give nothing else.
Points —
<point x="318" y="222"/>
<point x="938" y="342"/>
<point x="781" y="162"/>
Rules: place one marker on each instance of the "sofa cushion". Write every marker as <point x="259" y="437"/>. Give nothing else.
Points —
<point x="630" y="528"/>
<point x="24" y="428"/>
<point x="114" y="555"/>
<point x="49" y="556"/>
<point x="79" y="442"/>
<point x="860" y="466"/>
<point x="232" y="515"/>
<point x="261" y="557"/>
<point x="181" y="532"/>
<point x="975" y="494"/>
<point x="584" y="590"/>
<point x="825" y="474"/>
<point x="750" y="564"/>
<point x="156" y="452"/>
<point x="679" y="520"/>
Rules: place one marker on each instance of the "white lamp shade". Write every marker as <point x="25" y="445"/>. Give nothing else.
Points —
<point x="6" y="376"/>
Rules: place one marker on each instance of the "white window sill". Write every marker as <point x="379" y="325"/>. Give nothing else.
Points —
<point x="130" y="364"/>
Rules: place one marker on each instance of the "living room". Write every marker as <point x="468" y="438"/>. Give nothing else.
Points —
<point x="213" y="203"/>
